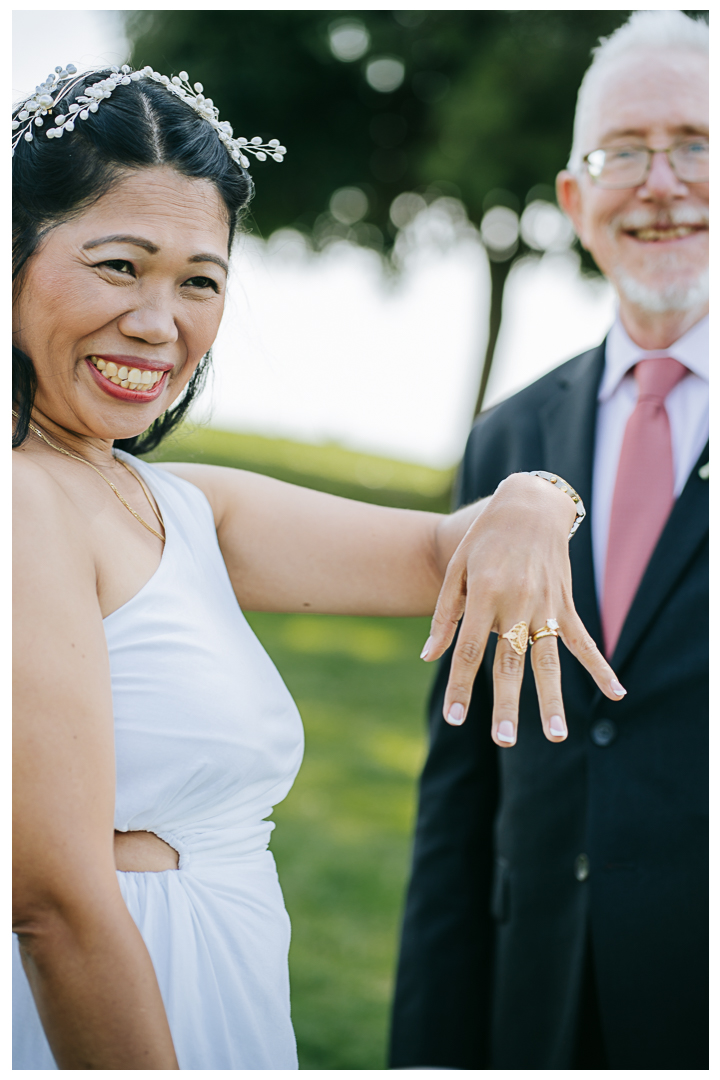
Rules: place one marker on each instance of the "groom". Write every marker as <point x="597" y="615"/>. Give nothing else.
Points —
<point x="557" y="911"/>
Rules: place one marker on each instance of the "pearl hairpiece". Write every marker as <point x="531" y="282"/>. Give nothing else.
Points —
<point x="58" y="85"/>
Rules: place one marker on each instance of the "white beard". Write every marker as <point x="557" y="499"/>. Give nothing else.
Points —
<point x="675" y="296"/>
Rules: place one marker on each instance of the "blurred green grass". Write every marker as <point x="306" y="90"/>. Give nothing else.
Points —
<point x="344" y="833"/>
<point x="330" y="468"/>
<point x="343" y="836"/>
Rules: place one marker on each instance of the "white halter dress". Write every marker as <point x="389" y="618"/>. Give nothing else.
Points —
<point x="208" y="739"/>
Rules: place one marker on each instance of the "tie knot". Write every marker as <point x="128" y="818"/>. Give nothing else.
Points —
<point x="656" y="376"/>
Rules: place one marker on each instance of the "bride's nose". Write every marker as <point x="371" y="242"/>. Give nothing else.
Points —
<point x="152" y="320"/>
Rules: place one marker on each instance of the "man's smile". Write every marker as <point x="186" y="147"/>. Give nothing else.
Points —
<point x="663" y="233"/>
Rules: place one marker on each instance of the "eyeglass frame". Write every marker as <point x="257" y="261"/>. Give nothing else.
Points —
<point x="648" y="167"/>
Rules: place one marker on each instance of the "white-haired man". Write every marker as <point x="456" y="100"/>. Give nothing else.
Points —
<point x="557" y="911"/>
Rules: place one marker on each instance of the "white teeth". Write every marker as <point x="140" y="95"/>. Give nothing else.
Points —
<point x="128" y="378"/>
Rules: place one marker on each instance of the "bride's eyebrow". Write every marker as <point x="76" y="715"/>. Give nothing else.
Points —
<point x="209" y="258"/>
<point x="147" y="245"/>
<point x="121" y="238"/>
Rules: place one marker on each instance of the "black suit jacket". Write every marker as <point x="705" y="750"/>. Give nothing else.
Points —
<point x="496" y="923"/>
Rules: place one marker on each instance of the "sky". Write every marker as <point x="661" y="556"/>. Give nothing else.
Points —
<point x="330" y="346"/>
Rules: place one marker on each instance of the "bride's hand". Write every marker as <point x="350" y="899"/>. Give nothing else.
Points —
<point x="513" y="566"/>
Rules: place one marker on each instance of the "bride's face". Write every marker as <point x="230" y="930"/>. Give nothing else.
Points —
<point x="119" y="304"/>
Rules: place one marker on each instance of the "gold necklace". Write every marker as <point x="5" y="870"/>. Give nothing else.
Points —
<point x="77" y="457"/>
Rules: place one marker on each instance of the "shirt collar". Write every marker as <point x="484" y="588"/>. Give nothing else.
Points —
<point x="621" y="354"/>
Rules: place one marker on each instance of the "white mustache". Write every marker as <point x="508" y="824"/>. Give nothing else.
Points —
<point x="668" y="218"/>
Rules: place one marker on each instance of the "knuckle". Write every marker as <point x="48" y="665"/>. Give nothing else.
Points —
<point x="469" y="651"/>
<point x="445" y="617"/>
<point x="586" y="646"/>
<point x="443" y="607"/>
<point x="510" y="664"/>
<point x="547" y="662"/>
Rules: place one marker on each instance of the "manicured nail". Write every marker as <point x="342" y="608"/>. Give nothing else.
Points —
<point x="557" y="727"/>
<point x="426" y="648"/>
<point x="456" y="714"/>
<point x="506" y="731"/>
<point x="617" y="688"/>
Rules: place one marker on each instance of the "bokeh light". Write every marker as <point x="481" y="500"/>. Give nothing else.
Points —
<point x="545" y="228"/>
<point x="500" y="228"/>
<point x="349" y="39"/>
<point x="385" y="74"/>
<point x="348" y="205"/>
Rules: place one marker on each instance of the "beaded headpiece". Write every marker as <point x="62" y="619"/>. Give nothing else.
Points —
<point x="34" y="113"/>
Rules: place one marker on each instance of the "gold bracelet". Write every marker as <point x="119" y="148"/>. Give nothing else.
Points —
<point x="563" y="485"/>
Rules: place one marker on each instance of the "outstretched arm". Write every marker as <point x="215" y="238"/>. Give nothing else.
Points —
<point x="501" y="561"/>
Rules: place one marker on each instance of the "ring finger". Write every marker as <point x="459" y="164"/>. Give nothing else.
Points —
<point x="546" y="669"/>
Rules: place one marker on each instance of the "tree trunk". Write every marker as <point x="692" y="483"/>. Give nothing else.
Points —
<point x="498" y="276"/>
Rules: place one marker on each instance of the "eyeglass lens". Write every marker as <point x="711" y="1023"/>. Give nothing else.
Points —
<point x="628" y="166"/>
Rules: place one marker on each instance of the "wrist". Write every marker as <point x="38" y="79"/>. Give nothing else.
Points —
<point x="543" y="500"/>
<point x="562" y="485"/>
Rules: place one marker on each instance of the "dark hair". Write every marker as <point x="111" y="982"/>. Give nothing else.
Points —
<point x="141" y="126"/>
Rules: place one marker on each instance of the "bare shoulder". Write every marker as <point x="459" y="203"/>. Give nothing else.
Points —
<point x="36" y="493"/>
<point x="47" y="537"/>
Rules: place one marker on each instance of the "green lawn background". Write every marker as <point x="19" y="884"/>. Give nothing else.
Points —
<point x="344" y="833"/>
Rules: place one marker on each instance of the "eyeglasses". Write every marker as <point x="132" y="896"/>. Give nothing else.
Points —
<point x="629" y="166"/>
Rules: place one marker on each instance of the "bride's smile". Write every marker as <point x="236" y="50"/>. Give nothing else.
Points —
<point x="131" y="290"/>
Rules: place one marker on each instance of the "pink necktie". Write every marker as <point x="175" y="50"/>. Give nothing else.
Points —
<point x="643" y="496"/>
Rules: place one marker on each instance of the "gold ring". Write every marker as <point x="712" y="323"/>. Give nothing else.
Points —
<point x="517" y="636"/>
<point x="550" y="629"/>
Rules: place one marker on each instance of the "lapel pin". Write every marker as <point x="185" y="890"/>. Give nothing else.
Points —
<point x="704" y="471"/>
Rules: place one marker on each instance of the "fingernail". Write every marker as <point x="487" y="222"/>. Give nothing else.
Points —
<point x="506" y="731"/>
<point x="426" y="648"/>
<point x="557" y="726"/>
<point x="456" y="714"/>
<point x="617" y="688"/>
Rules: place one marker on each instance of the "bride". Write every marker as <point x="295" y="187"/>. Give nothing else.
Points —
<point x="152" y="733"/>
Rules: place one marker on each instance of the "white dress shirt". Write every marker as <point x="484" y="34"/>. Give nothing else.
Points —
<point x="687" y="408"/>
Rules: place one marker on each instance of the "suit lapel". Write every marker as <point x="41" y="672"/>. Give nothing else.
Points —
<point x="567" y="423"/>
<point x="685" y="530"/>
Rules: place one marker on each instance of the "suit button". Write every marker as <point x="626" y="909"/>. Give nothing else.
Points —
<point x="582" y="867"/>
<point x="603" y="732"/>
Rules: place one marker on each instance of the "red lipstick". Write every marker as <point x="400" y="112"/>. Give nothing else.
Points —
<point x="122" y="393"/>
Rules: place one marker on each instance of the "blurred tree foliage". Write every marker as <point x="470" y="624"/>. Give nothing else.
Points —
<point x="483" y="110"/>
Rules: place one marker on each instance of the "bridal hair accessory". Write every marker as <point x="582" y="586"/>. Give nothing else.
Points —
<point x="36" y="111"/>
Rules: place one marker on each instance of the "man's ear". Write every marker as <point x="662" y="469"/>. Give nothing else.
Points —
<point x="569" y="199"/>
